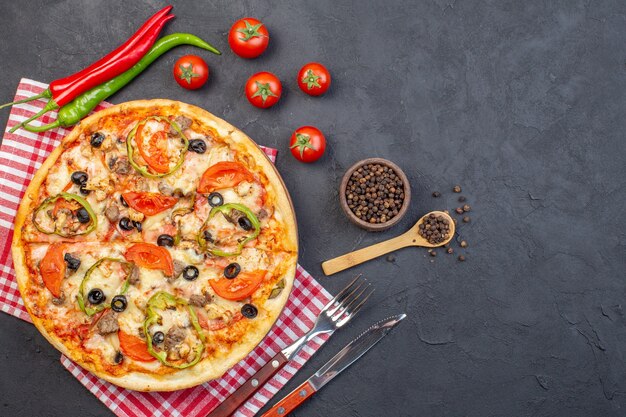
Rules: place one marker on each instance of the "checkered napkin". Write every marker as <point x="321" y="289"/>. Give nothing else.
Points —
<point x="21" y="154"/>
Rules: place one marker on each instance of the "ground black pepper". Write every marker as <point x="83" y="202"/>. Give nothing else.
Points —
<point x="375" y="193"/>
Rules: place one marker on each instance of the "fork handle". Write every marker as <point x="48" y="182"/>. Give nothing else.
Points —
<point x="348" y="260"/>
<point x="252" y="385"/>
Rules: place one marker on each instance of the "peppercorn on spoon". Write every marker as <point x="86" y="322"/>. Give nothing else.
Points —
<point x="411" y="237"/>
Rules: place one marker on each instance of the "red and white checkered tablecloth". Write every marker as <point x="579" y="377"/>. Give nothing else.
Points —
<point x="21" y="154"/>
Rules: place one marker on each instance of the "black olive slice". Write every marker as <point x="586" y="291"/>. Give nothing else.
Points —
<point x="232" y="270"/>
<point x="215" y="199"/>
<point x="119" y="303"/>
<point x="249" y="311"/>
<point x="96" y="296"/>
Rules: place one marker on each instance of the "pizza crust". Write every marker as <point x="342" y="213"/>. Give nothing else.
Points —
<point x="204" y="370"/>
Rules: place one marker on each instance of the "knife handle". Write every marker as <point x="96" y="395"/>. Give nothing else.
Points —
<point x="291" y="401"/>
<point x="256" y="381"/>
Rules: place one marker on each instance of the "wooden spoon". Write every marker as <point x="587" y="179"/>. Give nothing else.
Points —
<point x="410" y="238"/>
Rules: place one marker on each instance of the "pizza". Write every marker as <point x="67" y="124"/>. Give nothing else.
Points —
<point x="156" y="246"/>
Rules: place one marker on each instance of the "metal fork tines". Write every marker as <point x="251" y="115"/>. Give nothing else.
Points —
<point x="335" y="314"/>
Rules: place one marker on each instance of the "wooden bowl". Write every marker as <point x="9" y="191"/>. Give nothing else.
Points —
<point x="375" y="227"/>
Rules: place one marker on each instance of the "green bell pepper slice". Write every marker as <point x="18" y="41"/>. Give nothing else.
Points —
<point x="225" y="209"/>
<point x="144" y="170"/>
<point x="68" y="197"/>
<point x="162" y="301"/>
<point x="81" y="296"/>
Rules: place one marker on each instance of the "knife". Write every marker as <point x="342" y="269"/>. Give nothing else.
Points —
<point x="346" y="357"/>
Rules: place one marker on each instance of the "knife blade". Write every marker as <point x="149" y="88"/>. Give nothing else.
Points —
<point x="346" y="357"/>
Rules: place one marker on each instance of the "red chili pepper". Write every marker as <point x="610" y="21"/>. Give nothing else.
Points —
<point x="120" y="60"/>
<point x="64" y="90"/>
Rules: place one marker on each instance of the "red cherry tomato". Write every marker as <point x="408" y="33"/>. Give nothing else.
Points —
<point x="314" y="79"/>
<point x="307" y="144"/>
<point x="248" y="37"/>
<point x="191" y="72"/>
<point x="263" y="89"/>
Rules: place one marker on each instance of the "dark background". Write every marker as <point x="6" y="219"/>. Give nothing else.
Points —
<point x="522" y="103"/>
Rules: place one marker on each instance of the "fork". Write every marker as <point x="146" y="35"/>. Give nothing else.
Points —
<point x="343" y="307"/>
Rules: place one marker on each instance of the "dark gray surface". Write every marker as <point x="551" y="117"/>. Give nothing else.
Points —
<point x="522" y="103"/>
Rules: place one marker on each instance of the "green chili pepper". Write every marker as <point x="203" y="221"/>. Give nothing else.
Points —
<point x="225" y="209"/>
<point x="144" y="170"/>
<point x="68" y="197"/>
<point x="81" y="106"/>
<point x="162" y="301"/>
<point x="81" y="296"/>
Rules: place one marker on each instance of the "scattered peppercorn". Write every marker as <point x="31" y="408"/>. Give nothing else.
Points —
<point x="436" y="194"/>
<point x="466" y="219"/>
<point x="457" y="189"/>
<point x="433" y="253"/>
<point x="466" y="208"/>
<point x="375" y="193"/>
<point x="463" y="244"/>
<point x="462" y="199"/>
<point x="459" y="210"/>
<point x="435" y="229"/>
<point x="450" y="250"/>
<point x="461" y="258"/>
<point x="391" y="258"/>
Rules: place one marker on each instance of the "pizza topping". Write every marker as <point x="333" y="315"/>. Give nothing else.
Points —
<point x="96" y="296"/>
<point x="165" y="240"/>
<point x="147" y="255"/>
<point x="200" y="300"/>
<point x="191" y="273"/>
<point x="120" y="165"/>
<point x="245" y="223"/>
<point x="52" y="268"/>
<point x="119" y="303"/>
<point x="197" y="146"/>
<point x="232" y="270"/>
<point x="181" y="349"/>
<point x="238" y="288"/>
<point x="71" y="262"/>
<point x="179" y="267"/>
<point x="82" y="215"/>
<point x="112" y="213"/>
<point x="149" y="203"/>
<point x="126" y="224"/>
<point x="183" y="124"/>
<point x="107" y="275"/>
<point x="231" y="211"/>
<point x="215" y="199"/>
<point x="134" y="278"/>
<point x="280" y="286"/>
<point x="96" y="139"/>
<point x="133" y="347"/>
<point x="119" y="358"/>
<point x="175" y="335"/>
<point x="66" y="215"/>
<point x="222" y="175"/>
<point x="249" y="311"/>
<point x="107" y="323"/>
<point x="161" y="154"/>
<point x="158" y="338"/>
<point x="79" y="177"/>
